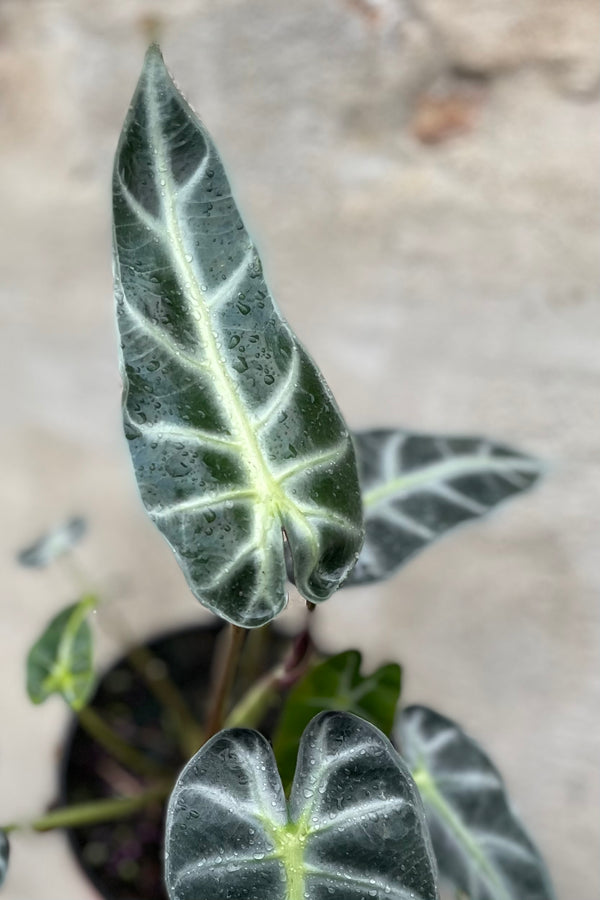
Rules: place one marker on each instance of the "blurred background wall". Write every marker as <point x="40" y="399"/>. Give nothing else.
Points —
<point x="421" y="178"/>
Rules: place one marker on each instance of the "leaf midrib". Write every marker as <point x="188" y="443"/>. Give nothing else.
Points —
<point x="443" y="471"/>
<point x="61" y="677"/>
<point x="272" y="501"/>
<point x="260" y="475"/>
<point x="428" y="789"/>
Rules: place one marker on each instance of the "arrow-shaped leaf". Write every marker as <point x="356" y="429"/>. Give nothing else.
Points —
<point x="416" y="487"/>
<point x="355" y="827"/>
<point x="60" y="662"/>
<point x="481" y="847"/>
<point x="235" y="437"/>
<point x="53" y="545"/>
<point x="4" y="854"/>
<point x="335" y="684"/>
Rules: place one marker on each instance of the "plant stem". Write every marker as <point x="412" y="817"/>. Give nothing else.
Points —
<point x="251" y="666"/>
<point x="254" y="704"/>
<point x="123" y="752"/>
<point x="155" y="673"/>
<point x="94" y="811"/>
<point x="224" y="679"/>
<point x="252" y="707"/>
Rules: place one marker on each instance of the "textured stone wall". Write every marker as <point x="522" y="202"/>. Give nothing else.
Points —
<point x="421" y="178"/>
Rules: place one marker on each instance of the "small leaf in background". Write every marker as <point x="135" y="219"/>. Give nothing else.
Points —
<point x="481" y="847"/>
<point x="60" y="662"/>
<point x="355" y="826"/>
<point x="234" y="435"/>
<point x="4" y="854"/>
<point x="335" y="684"/>
<point x="416" y="487"/>
<point x="53" y="545"/>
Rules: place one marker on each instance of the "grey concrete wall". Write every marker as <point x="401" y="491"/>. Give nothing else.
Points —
<point x="421" y="178"/>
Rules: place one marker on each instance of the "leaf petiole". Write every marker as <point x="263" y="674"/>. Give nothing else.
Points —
<point x="223" y="679"/>
<point x="118" y="748"/>
<point x="251" y="709"/>
<point x="93" y="812"/>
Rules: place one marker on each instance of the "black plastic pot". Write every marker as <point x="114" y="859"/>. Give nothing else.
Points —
<point x="123" y="859"/>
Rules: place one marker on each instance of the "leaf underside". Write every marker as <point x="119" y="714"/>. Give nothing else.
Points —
<point x="60" y="662"/>
<point x="481" y="847"/>
<point x="53" y="545"/>
<point x="4" y="855"/>
<point x="335" y="684"/>
<point x="354" y="827"/>
<point x="235" y="437"/>
<point x="416" y="487"/>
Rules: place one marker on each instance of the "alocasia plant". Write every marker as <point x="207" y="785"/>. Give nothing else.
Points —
<point x="235" y="437"/>
<point x="245" y="464"/>
<point x="60" y="662"/>
<point x="53" y="545"/>
<point x="353" y="827"/>
<point x="480" y="844"/>
<point x="416" y="487"/>
<point x="335" y="684"/>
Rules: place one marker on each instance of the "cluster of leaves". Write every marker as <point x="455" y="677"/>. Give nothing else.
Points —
<point x="361" y="820"/>
<point x="245" y="464"/>
<point x="242" y="457"/>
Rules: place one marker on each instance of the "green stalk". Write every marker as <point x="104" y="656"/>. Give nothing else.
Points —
<point x="123" y="752"/>
<point x="224" y="677"/>
<point x="253" y="706"/>
<point x="189" y="732"/>
<point x="93" y="812"/>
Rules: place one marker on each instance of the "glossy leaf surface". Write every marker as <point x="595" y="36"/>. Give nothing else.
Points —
<point x="354" y="828"/>
<point x="60" y="662"/>
<point x="335" y="684"/>
<point x="53" y="545"/>
<point x="416" y="487"/>
<point x="234" y="435"/>
<point x="4" y="854"/>
<point x="481" y="847"/>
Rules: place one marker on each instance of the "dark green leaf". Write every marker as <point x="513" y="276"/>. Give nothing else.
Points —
<point x="53" y="545"/>
<point x="338" y="685"/>
<point x="4" y="854"/>
<point x="481" y="847"/>
<point x="416" y="487"/>
<point x="234" y="435"/>
<point x="354" y="830"/>
<point x="60" y="662"/>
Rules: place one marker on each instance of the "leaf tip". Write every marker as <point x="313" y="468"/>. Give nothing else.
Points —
<point x="154" y="54"/>
<point x="155" y="67"/>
